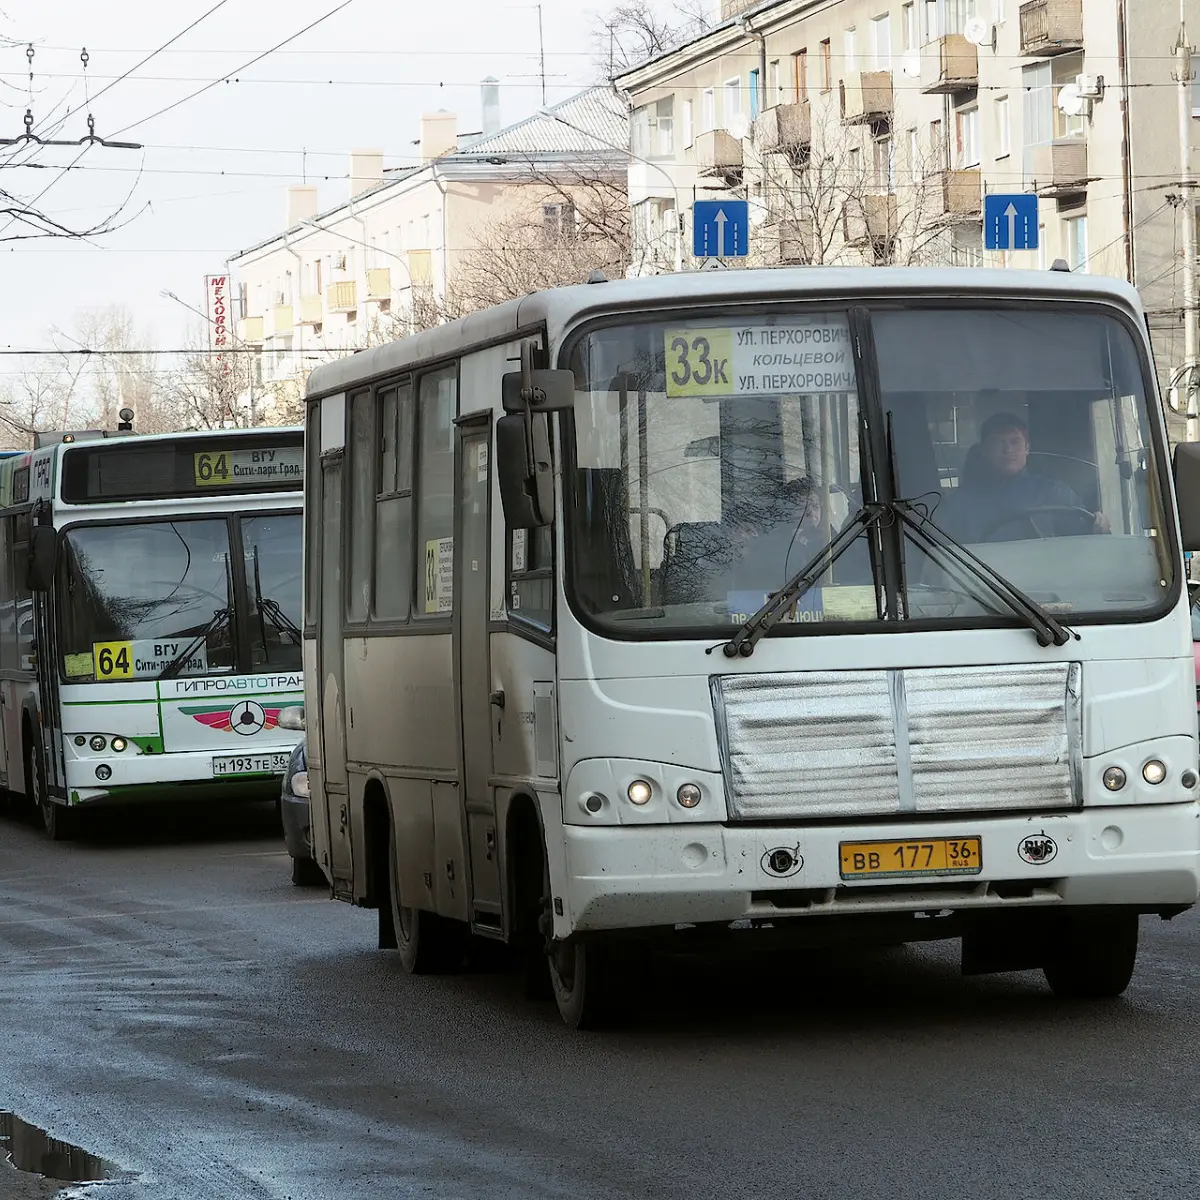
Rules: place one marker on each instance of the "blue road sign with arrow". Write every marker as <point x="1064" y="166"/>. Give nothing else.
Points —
<point x="721" y="228"/>
<point x="1010" y="222"/>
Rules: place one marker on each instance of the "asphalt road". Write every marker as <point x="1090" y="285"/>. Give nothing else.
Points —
<point x="172" y="1003"/>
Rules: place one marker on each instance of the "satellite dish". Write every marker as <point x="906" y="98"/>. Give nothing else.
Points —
<point x="978" y="32"/>
<point x="1070" y="100"/>
<point x="739" y="126"/>
<point x="911" y="65"/>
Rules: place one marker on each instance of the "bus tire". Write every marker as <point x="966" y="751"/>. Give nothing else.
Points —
<point x="57" y="820"/>
<point x="1093" y="957"/>
<point x="583" y="974"/>
<point x="427" y="943"/>
<point x="306" y="873"/>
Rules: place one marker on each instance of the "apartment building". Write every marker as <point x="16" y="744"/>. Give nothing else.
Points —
<point x="870" y="131"/>
<point x="337" y="280"/>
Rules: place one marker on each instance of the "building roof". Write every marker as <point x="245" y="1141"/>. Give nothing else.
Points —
<point x="582" y="124"/>
<point x="594" y="122"/>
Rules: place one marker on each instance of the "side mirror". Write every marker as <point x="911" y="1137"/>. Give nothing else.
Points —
<point x="43" y="558"/>
<point x="538" y="391"/>
<point x="292" y="719"/>
<point x="1187" y="492"/>
<point x="523" y="466"/>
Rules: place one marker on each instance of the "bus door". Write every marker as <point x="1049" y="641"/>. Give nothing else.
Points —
<point x="35" y="638"/>
<point x="332" y="682"/>
<point x="472" y="663"/>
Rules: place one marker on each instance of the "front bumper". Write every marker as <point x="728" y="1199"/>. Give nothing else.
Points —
<point x="1147" y="857"/>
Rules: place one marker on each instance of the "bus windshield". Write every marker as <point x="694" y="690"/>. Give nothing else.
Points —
<point x="135" y="596"/>
<point x="716" y="458"/>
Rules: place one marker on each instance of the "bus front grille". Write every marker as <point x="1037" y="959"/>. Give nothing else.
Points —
<point x="887" y="742"/>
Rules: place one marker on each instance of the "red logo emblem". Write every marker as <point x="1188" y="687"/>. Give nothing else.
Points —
<point x="246" y="717"/>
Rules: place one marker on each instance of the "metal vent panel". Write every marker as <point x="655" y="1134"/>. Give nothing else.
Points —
<point x="813" y="744"/>
<point x="995" y="737"/>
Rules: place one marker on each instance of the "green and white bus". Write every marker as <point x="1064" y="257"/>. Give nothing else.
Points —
<point x="149" y="618"/>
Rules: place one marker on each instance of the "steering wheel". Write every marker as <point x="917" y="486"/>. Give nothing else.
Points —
<point x="1087" y="520"/>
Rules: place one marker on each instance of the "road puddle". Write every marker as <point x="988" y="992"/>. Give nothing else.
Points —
<point x="31" y="1149"/>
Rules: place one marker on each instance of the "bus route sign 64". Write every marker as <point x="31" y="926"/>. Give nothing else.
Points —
<point x="220" y="468"/>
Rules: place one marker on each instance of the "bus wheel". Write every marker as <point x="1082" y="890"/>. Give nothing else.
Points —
<point x="428" y="944"/>
<point x="306" y="873"/>
<point x="583" y="976"/>
<point x="1093" y="957"/>
<point x="57" y="820"/>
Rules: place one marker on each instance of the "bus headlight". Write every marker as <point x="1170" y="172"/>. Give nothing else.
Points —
<point x="103" y="771"/>
<point x="1114" y="779"/>
<point x="98" y="743"/>
<point x="118" y="744"/>
<point x="689" y="795"/>
<point x="1154" y="772"/>
<point x="639" y="792"/>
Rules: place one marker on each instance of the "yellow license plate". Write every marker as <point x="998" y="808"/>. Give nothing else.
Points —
<point x="901" y="860"/>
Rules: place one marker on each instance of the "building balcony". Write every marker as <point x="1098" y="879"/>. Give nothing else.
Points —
<point x="1059" y="168"/>
<point x="784" y="129"/>
<point x="282" y="320"/>
<point x="343" y="295"/>
<point x="250" y="331"/>
<point x="718" y="155"/>
<point x="949" y="65"/>
<point x="379" y="283"/>
<point x="420" y="268"/>
<point x="870" y="218"/>
<point x="960" y="195"/>
<point x="1051" y="27"/>
<point x="866" y="96"/>
<point x="790" y="242"/>
<point x="308" y="311"/>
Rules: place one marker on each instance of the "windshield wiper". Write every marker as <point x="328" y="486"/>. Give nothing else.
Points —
<point x="743" y="642"/>
<point x="220" y="617"/>
<point x="1048" y="629"/>
<point x="273" y="611"/>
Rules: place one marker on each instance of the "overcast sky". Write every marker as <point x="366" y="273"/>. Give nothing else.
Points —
<point x="214" y="170"/>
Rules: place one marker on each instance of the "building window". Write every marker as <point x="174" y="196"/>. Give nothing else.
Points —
<point x="881" y="42"/>
<point x="826" y="66"/>
<point x="914" y="155"/>
<point x="937" y="148"/>
<point x="435" y="489"/>
<point x="801" y="70"/>
<point x="1064" y="71"/>
<point x="967" y="124"/>
<point x="908" y="21"/>
<point x="639" y="131"/>
<point x="775" y="95"/>
<point x="966" y="246"/>
<point x="1003" y="129"/>
<point x="850" y="49"/>
<point x="559" y="222"/>
<point x="933" y="22"/>
<point x="708" y="110"/>
<point x="686" y="132"/>
<point x="664" y="132"/>
<point x="755" y="86"/>
<point x="731" y="100"/>
<point x="885" y="164"/>
<point x="1075" y="229"/>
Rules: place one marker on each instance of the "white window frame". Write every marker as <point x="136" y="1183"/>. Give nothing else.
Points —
<point x="687" y="131"/>
<point x="1003" y="117"/>
<point x="881" y="42"/>
<point x="909" y="26"/>
<point x="731" y="90"/>
<point x="1072" y="226"/>
<point x="708" y="110"/>
<point x="967" y="121"/>
<point x="850" y="49"/>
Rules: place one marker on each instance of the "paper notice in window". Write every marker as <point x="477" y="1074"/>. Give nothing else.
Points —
<point x="849" y="603"/>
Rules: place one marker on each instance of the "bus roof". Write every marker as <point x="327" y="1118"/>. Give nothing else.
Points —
<point x="559" y="308"/>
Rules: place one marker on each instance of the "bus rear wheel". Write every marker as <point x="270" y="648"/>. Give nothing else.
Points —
<point x="1093" y="957"/>
<point x="428" y="944"/>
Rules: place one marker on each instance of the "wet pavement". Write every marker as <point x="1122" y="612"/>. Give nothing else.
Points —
<point x="173" y="1005"/>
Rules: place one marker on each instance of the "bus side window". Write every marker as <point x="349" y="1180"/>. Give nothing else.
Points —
<point x="393" y="504"/>
<point x="360" y="474"/>
<point x="8" y="622"/>
<point x="23" y="597"/>
<point x="435" y="488"/>
<point x="531" y="575"/>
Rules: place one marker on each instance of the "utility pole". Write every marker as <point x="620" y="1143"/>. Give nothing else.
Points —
<point x="1183" y="76"/>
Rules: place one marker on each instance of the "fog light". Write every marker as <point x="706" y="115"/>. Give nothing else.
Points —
<point x="119" y="744"/>
<point x="1154" y="771"/>
<point x="594" y="803"/>
<point x="98" y="743"/>
<point x="639" y="792"/>
<point x="688" y="795"/>
<point x="104" y="771"/>
<point x="1114" y="779"/>
<point x="1188" y="779"/>
<point x="80" y="740"/>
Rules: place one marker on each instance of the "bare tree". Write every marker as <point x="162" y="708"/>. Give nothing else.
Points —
<point x="636" y="30"/>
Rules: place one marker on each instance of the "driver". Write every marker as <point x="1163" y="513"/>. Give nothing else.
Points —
<point x="1003" y="486"/>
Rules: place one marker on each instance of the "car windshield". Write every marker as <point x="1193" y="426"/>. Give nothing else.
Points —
<point x="134" y="596"/>
<point x="715" y="457"/>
